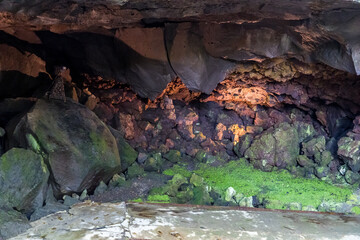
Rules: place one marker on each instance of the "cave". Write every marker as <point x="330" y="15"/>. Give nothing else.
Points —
<point x="237" y="104"/>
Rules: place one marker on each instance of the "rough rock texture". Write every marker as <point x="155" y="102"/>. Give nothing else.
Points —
<point x="23" y="180"/>
<point x="184" y="83"/>
<point x="12" y="223"/>
<point x="127" y="154"/>
<point x="79" y="149"/>
<point x="199" y="41"/>
<point x="277" y="146"/>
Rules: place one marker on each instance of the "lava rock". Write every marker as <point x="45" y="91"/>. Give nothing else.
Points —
<point x="275" y="147"/>
<point x="349" y="151"/>
<point x="314" y="146"/>
<point x="243" y="144"/>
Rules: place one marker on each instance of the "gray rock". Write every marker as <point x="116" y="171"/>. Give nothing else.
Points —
<point x="142" y="158"/>
<point x="69" y="201"/>
<point x="352" y="177"/>
<point x="12" y="223"/>
<point x="23" y="180"/>
<point x="101" y="188"/>
<point x="48" y="209"/>
<point x="83" y="195"/>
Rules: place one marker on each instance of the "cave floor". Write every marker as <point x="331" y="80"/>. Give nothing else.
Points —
<point x="91" y="220"/>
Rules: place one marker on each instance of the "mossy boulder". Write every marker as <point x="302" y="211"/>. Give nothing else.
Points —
<point x="313" y="146"/>
<point x="325" y="158"/>
<point x="201" y="156"/>
<point x="349" y="151"/>
<point x="127" y="154"/>
<point x="154" y="163"/>
<point x="77" y="145"/>
<point x="12" y="223"/>
<point x="287" y="145"/>
<point x="280" y="147"/>
<point x="135" y="171"/>
<point x="174" y="184"/>
<point x="304" y="161"/>
<point x="173" y="156"/>
<point x="23" y="180"/>
<point x="262" y="151"/>
<point x="201" y="196"/>
<point x="196" y="180"/>
<point x="352" y="177"/>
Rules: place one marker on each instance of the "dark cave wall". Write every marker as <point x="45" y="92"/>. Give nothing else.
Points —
<point x="145" y="44"/>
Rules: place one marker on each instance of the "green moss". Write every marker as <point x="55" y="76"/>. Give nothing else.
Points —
<point x="158" y="199"/>
<point x="137" y="200"/>
<point x="33" y="143"/>
<point x="356" y="210"/>
<point x="173" y="156"/>
<point x="278" y="188"/>
<point x="127" y="154"/>
<point x="135" y="171"/>
<point x="98" y="142"/>
<point x="178" y="169"/>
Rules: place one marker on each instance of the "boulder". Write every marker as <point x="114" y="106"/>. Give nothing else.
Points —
<point x="275" y="147"/>
<point x="78" y="147"/>
<point x="173" y="156"/>
<point x="287" y="145"/>
<point x="243" y="144"/>
<point x="23" y="180"/>
<point x="127" y="154"/>
<point x="313" y="146"/>
<point x="12" y="223"/>
<point x="262" y="151"/>
<point x="349" y="151"/>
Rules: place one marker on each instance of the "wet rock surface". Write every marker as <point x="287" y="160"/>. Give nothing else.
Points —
<point x="145" y="221"/>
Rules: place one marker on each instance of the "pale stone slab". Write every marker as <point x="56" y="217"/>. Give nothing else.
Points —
<point x="153" y="221"/>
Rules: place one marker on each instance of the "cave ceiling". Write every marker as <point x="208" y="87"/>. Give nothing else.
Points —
<point x="147" y="43"/>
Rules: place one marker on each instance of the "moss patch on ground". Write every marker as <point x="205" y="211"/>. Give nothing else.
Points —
<point x="278" y="187"/>
<point x="158" y="199"/>
<point x="178" y="169"/>
<point x="356" y="210"/>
